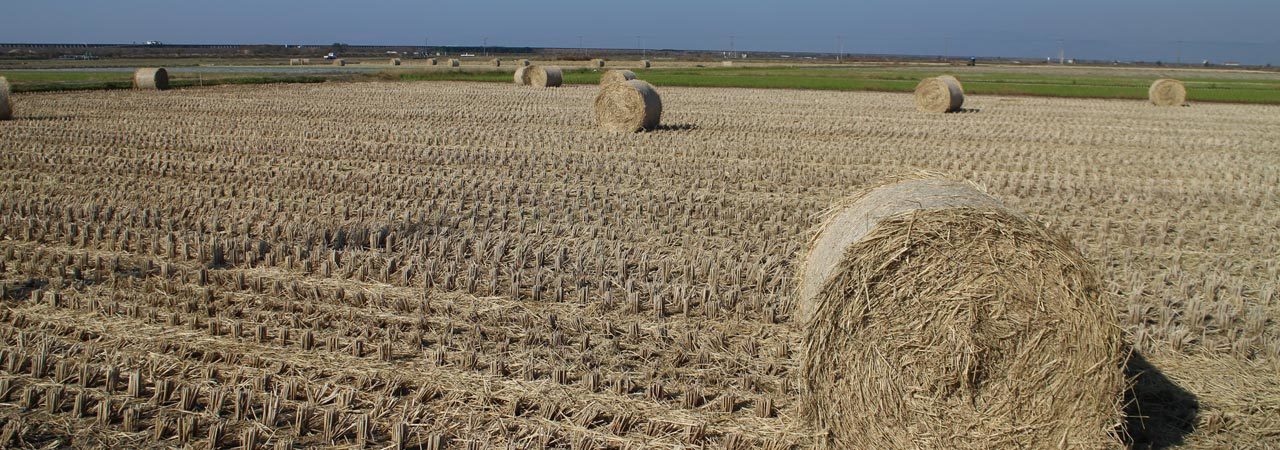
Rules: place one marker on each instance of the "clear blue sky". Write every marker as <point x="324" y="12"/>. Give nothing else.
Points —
<point x="1243" y="30"/>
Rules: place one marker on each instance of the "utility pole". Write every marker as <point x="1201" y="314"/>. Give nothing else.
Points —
<point x="640" y="43"/>
<point x="1179" y="52"/>
<point x="840" y="55"/>
<point x="946" y="47"/>
<point x="581" y="49"/>
<point x="732" y="53"/>
<point x="484" y="48"/>
<point x="1062" y="52"/>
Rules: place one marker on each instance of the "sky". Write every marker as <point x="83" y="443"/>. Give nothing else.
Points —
<point x="1190" y="30"/>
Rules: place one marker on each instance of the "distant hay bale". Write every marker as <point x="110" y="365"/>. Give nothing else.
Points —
<point x="151" y="78"/>
<point x="543" y="76"/>
<point x="523" y="63"/>
<point x="616" y="76"/>
<point x="726" y="63"/>
<point x="497" y="62"/>
<point x="933" y="317"/>
<point x="454" y="62"/>
<point x="432" y="61"/>
<point x="1167" y="92"/>
<point x="597" y="63"/>
<point x="939" y="95"/>
<point x="340" y="62"/>
<point x="628" y="106"/>
<point x="520" y="78"/>
<point x="645" y="63"/>
<point x="395" y="61"/>
<point x="295" y="61"/>
<point x="6" y="104"/>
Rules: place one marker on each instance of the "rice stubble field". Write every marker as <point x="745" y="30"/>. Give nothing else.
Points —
<point x="476" y="265"/>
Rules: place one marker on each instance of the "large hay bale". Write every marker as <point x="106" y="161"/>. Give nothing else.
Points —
<point x="543" y="76"/>
<point x="628" y="106"/>
<point x="645" y="63"/>
<point x="453" y="62"/>
<point x="523" y="63"/>
<point x="395" y="61"/>
<point x="597" y="63"/>
<point x="616" y="76"/>
<point x="1167" y="92"/>
<point x="340" y="62"/>
<point x="151" y="78"/>
<point x="6" y="104"/>
<point x="935" y="318"/>
<point x="432" y="61"/>
<point x="497" y="62"/>
<point x="939" y="95"/>
<point x="726" y="63"/>
<point x="295" y="61"/>
<point x="520" y="78"/>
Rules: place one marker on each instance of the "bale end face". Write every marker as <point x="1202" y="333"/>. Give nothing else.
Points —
<point x="942" y="320"/>
<point x="454" y="63"/>
<point x="1167" y="92"/>
<point x="497" y="62"/>
<point x="645" y="64"/>
<point x="395" y="61"/>
<point x="520" y="76"/>
<point x="628" y="106"/>
<point x="151" y="78"/>
<point x="939" y="95"/>
<point x="524" y="63"/>
<point x="597" y="63"/>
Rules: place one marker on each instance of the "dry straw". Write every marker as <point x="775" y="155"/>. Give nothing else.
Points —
<point x="339" y="62"/>
<point x="597" y="63"/>
<point x="543" y="76"/>
<point x="645" y="63"/>
<point x="628" y="106"/>
<point x="432" y="61"/>
<point x="616" y="76"/>
<point x="395" y="61"/>
<point x="497" y="62"/>
<point x="1167" y="92"/>
<point x="151" y="78"/>
<point x="6" y="104"/>
<point x="454" y="62"/>
<point x="726" y="63"/>
<point x="939" y="94"/>
<point x="520" y="78"/>
<point x="933" y="317"/>
<point x="523" y="63"/>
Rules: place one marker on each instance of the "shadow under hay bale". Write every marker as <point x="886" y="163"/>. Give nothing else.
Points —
<point x="1159" y="414"/>
<point x="933" y="317"/>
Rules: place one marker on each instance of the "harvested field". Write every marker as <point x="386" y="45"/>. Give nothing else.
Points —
<point x="477" y="264"/>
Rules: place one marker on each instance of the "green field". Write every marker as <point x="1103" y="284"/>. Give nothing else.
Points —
<point x="45" y="80"/>
<point x="1200" y="88"/>
<point x="1203" y="86"/>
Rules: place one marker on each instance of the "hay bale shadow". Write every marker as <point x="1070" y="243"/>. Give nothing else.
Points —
<point x="1158" y="414"/>
<point x="675" y="127"/>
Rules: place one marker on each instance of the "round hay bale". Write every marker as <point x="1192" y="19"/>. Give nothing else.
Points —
<point x="6" y="104"/>
<point x="454" y="62"/>
<point x="497" y="62"/>
<point x="520" y="78"/>
<point x="1167" y="92"/>
<point x="933" y="317"/>
<point x="939" y="95"/>
<point x="340" y="62"/>
<point x="543" y="76"/>
<point x="524" y="63"/>
<point x="645" y="63"/>
<point x="616" y="76"/>
<point x="395" y="61"/>
<point x="628" y="106"/>
<point x="295" y="61"/>
<point x="432" y="61"/>
<point x="151" y="78"/>
<point x="597" y="63"/>
<point x="726" y="63"/>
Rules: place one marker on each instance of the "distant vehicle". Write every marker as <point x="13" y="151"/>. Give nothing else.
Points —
<point x="154" y="43"/>
<point x="973" y="61"/>
<point x="331" y="56"/>
<point x="467" y="55"/>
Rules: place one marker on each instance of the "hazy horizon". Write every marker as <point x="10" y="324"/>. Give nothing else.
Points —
<point x="1232" y="30"/>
